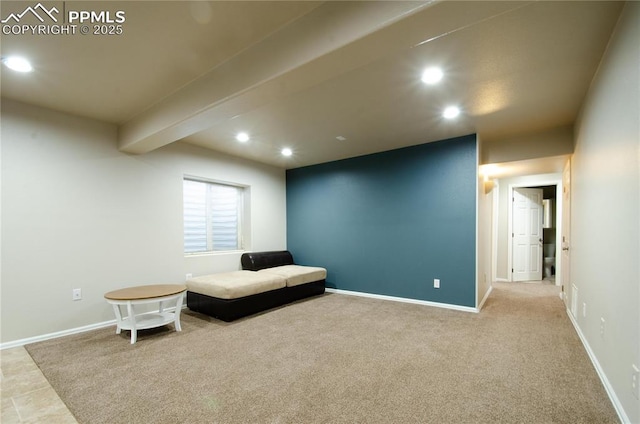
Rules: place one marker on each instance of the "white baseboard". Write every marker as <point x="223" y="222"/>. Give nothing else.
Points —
<point x="624" y="418"/>
<point x="404" y="300"/>
<point x="43" y="337"/>
<point x="502" y="280"/>
<point x="69" y="332"/>
<point x="484" y="299"/>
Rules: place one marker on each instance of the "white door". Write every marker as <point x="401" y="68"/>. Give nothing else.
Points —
<point x="527" y="234"/>
<point x="565" y="257"/>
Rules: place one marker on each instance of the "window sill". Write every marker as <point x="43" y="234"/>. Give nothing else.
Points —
<point x="214" y="253"/>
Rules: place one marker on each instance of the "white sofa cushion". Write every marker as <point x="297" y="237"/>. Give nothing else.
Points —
<point x="297" y="274"/>
<point x="235" y="284"/>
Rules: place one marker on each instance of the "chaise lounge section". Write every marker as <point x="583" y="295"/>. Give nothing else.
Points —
<point x="268" y="280"/>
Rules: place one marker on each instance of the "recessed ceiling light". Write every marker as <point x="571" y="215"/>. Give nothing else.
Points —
<point x="341" y="138"/>
<point x="432" y="75"/>
<point x="286" y="152"/>
<point x="451" y="112"/>
<point x="242" y="137"/>
<point x="18" y="64"/>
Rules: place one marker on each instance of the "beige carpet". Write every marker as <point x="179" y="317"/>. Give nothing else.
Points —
<point x="339" y="359"/>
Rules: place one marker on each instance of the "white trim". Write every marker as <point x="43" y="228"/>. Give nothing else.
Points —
<point x="484" y="299"/>
<point x="494" y="227"/>
<point x="559" y="211"/>
<point x="69" y="332"/>
<point x="544" y="181"/>
<point x="214" y="253"/>
<point x="196" y="178"/>
<point x="405" y="300"/>
<point x="57" y="334"/>
<point x="502" y="280"/>
<point x="603" y="377"/>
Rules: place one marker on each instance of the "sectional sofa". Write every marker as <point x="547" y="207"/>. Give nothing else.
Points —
<point x="267" y="280"/>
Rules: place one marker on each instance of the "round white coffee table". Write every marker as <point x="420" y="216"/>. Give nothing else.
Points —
<point x="140" y="295"/>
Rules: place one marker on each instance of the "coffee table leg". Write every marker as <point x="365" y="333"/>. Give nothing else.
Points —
<point x="176" y="322"/>
<point x="132" y="319"/>
<point x="116" y="310"/>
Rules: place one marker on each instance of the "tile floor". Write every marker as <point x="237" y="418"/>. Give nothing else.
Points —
<point x="26" y="395"/>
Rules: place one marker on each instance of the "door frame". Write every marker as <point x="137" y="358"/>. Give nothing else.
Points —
<point x="530" y="201"/>
<point x="531" y="184"/>
<point x="569" y="291"/>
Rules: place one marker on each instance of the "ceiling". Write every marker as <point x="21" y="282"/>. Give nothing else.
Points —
<point x="300" y="74"/>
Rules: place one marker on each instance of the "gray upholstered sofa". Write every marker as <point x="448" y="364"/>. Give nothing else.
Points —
<point x="267" y="280"/>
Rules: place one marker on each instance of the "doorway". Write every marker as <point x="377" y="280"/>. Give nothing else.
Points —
<point x="533" y="255"/>
<point x="527" y="212"/>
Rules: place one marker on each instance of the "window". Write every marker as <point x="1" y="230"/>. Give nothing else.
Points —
<point x="212" y="216"/>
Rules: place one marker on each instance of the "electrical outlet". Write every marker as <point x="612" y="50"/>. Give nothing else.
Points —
<point x="635" y="381"/>
<point x="436" y="283"/>
<point x="584" y="309"/>
<point x="76" y="294"/>
<point x="189" y="276"/>
<point x="602" y="327"/>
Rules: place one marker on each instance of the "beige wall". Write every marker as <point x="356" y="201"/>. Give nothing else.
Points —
<point x="78" y="213"/>
<point x="552" y="142"/>
<point x="605" y="205"/>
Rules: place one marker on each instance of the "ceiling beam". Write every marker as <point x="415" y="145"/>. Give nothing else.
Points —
<point x="332" y="39"/>
<point x="242" y="81"/>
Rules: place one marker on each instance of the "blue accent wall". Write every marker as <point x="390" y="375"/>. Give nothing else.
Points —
<point x="391" y="222"/>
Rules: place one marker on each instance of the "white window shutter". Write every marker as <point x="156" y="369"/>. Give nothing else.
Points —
<point x="211" y="216"/>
